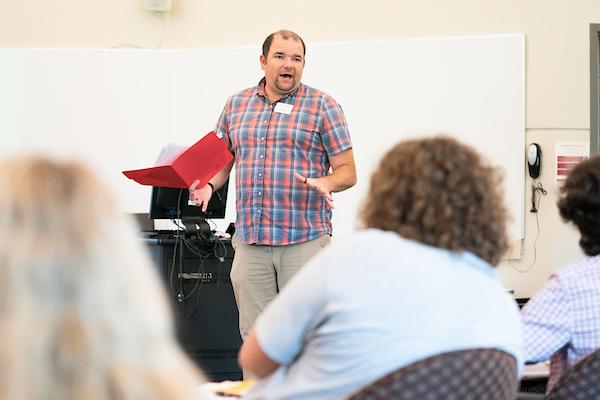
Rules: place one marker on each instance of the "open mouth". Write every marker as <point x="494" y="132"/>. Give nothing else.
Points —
<point x="286" y="76"/>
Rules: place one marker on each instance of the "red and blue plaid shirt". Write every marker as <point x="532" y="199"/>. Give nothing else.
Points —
<point x="273" y="207"/>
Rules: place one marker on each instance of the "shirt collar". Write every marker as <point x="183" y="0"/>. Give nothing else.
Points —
<point x="478" y="263"/>
<point x="260" y="91"/>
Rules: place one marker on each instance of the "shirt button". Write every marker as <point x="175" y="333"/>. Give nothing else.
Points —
<point x="261" y="156"/>
<point x="264" y="121"/>
<point x="262" y="138"/>
<point x="259" y="193"/>
<point x="259" y="174"/>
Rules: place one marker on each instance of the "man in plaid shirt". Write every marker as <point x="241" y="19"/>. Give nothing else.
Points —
<point x="561" y="323"/>
<point x="291" y="149"/>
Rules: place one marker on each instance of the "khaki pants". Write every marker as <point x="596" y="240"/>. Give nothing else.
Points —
<point x="259" y="272"/>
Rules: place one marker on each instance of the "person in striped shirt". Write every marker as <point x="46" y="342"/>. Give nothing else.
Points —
<point x="561" y="323"/>
<point x="292" y="150"/>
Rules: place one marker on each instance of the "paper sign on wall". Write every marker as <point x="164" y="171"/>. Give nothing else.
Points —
<point x="568" y="155"/>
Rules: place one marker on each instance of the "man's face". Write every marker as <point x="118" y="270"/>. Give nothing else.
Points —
<point x="283" y="67"/>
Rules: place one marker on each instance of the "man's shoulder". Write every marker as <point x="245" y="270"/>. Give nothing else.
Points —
<point x="586" y="269"/>
<point x="244" y="93"/>
<point x="309" y="91"/>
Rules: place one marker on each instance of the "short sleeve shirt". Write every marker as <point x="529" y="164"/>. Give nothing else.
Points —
<point x="271" y="141"/>
<point x="375" y="302"/>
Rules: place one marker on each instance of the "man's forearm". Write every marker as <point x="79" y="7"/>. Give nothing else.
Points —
<point x="344" y="177"/>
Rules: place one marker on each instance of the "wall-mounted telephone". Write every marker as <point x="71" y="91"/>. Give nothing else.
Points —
<point x="534" y="160"/>
<point x="534" y="163"/>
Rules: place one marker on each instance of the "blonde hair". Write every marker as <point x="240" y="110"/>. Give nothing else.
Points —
<point x="82" y="312"/>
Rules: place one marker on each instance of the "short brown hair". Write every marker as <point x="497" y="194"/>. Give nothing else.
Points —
<point x="579" y="203"/>
<point x="285" y="34"/>
<point x="437" y="191"/>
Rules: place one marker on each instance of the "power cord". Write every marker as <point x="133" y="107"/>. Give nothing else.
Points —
<point x="179" y="241"/>
<point x="537" y="191"/>
<point x="204" y="248"/>
<point x="157" y="46"/>
<point x="536" y="187"/>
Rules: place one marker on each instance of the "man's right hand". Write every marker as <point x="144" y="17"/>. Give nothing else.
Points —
<point x="200" y="196"/>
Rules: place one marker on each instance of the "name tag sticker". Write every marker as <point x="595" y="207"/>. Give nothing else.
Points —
<point x="284" y="108"/>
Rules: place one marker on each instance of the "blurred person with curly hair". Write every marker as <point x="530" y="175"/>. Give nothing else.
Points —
<point x="416" y="282"/>
<point x="82" y="311"/>
<point x="561" y="323"/>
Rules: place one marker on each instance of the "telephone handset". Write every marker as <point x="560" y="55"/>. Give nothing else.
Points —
<point x="534" y="160"/>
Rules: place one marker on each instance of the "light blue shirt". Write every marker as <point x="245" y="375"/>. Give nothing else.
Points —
<point x="373" y="303"/>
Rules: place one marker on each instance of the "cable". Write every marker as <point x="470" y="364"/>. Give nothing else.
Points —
<point x="526" y="269"/>
<point x="177" y="223"/>
<point x="179" y="241"/>
<point x="220" y="255"/>
<point x="199" y="272"/>
<point x="204" y="248"/>
<point x="173" y="266"/>
<point x="200" y="275"/>
<point x="162" y="35"/>
<point x="212" y="224"/>
<point x="204" y="254"/>
<point x="536" y="187"/>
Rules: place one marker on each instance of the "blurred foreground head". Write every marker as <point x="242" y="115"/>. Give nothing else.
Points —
<point x="579" y="203"/>
<point x="82" y="314"/>
<point x="439" y="192"/>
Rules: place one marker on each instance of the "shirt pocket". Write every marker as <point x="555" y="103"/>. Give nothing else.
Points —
<point x="307" y="132"/>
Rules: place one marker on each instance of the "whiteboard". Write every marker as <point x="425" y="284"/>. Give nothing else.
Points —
<point x="116" y="109"/>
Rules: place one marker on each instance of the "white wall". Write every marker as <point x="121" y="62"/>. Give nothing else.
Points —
<point x="117" y="108"/>
<point x="557" y="64"/>
<point x="557" y="242"/>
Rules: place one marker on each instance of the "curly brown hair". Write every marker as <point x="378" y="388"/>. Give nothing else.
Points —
<point x="437" y="191"/>
<point x="579" y="203"/>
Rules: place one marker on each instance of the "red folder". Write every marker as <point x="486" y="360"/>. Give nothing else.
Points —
<point x="201" y="161"/>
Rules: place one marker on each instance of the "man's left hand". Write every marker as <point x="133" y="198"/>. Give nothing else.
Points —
<point x="321" y="185"/>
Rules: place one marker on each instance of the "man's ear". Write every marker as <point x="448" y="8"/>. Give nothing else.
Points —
<point x="263" y="61"/>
